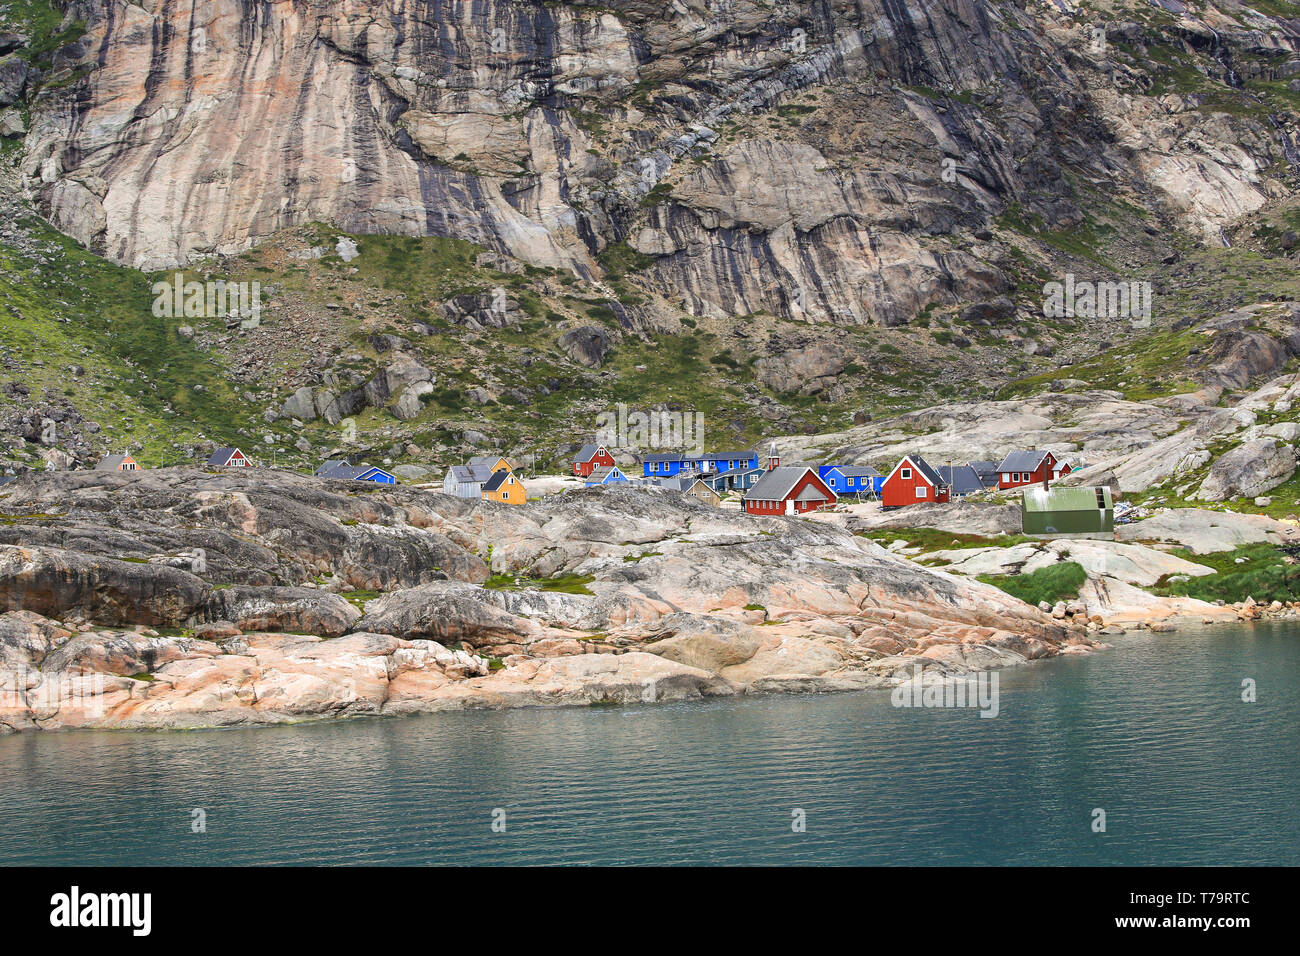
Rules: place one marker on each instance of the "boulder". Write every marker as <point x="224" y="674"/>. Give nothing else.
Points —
<point x="13" y="77"/>
<point x="297" y="610"/>
<point x="61" y="584"/>
<point x="587" y="345"/>
<point x="1248" y="470"/>
<point x="1205" y="532"/>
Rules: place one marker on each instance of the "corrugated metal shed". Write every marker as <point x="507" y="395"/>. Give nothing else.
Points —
<point x="1067" y="511"/>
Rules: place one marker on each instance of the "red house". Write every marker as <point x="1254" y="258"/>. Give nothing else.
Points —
<point x="788" y="491"/>
<point x="912" y="482"/>
<point x="1028" y="468"/>
<point x="591" y="457"/>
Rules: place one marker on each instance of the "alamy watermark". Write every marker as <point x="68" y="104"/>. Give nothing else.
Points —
<point x="927" y="689"/>
<point x="1098" y="300"/>
<point x="619" y="428"/>
<point x="213" y="299"/>
<point x="55" y="691"/>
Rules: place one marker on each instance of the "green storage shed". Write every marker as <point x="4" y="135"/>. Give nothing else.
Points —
<point x="1075" y="512"/>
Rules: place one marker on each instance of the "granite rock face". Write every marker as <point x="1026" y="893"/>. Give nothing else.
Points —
<point x="763" y="157"/>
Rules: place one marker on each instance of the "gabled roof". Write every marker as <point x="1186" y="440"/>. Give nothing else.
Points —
<point x="706" y="456"/>
<point x="672" y="456"/>
<point x="856" y="471"/>
<point x="585" y="453"/>
<point x="324" y="471"/>
<point x="1061" y="498"/>
<point x="962" y="479"/>
<point x="346" y="472"/>
<point x="987" y="470"/>
<point x="690" y="485"/>
<point x="475" y="473"/>
<point x="1022" y="461"/>
<point x="496" y="481"/>
<point x="222" y="455"/>
<point x="923" y="466"/>
<point x="489" y="460"/>
<point x="779" y="482"/>
<point x="111" y="462"/>
<point x="600" y="474"/>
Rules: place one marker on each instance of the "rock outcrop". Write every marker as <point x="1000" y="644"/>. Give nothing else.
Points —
<point x="666" y="599"/>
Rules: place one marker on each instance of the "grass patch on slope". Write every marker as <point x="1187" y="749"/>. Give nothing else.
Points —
<point x="1262" y="575"/>
<point x="564" y="583"/>
<point x="1058" y="582"/>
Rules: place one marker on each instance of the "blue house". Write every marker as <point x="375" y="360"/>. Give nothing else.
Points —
<point x="851" y="479"/>
<point x="343" y="470"/>
<point x="666" y="466"/>
<point x="604" y="476"/>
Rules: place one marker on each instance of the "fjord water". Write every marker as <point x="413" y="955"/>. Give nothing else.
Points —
<point x="1154" y="732"/>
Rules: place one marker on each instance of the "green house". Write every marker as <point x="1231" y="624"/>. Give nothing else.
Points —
<point x="1057" y="512"/>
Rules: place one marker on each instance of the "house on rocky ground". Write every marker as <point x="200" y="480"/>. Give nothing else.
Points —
<point x="229" y="458"/>
<point x="988" y="472"/>
<point x="347" y="472"/>
<point x="851" y="479"/>
<point x="591" y="457"/>
<point x="466" y="481"/>
<point x="1022" y="468"/>
<point x="788" y="490"/>
<point x="505" y="488"/>
<point x="962" y="480"/>
<point x="494" y="462"/>
<point x="913" y="481"/>
<point x="118" y="463"/>
<point x="710" y="463"/>
<point x="605" y="476"/>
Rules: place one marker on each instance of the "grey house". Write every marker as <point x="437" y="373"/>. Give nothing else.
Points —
<point x="466" y="481"/>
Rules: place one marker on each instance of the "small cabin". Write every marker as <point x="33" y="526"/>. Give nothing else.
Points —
<point x="1060" y="512"/>
<point x="505" y="488"/>
<point x="913" y="481"/>
<point x="117" y="463"/>
<point x="605" y="476"/>
<point x="229" y="458"/>
<point x="466" y="481"/>
<point x="591" y="457"/>
<point x="1022" y="468"/>
<point x="347" y="472"/>
<point x="704" y="492"/>
<point x="788" y="490"/>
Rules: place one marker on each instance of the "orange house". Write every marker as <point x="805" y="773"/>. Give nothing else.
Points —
<point x="504" y="487"/>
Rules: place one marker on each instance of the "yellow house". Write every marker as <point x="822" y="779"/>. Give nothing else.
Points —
<point x="504" y="487"/>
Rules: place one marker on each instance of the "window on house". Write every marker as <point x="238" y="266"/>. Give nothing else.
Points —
<point x="922" y="491"/>
<point x="906" y="473"/>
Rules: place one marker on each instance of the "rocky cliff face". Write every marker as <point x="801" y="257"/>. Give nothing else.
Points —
<point x="831" y="161"/>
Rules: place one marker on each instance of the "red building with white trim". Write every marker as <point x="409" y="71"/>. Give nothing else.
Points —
<point x="913" y="482"/>
<point x="1028" y="468"/>
<point x="591" y="457"/>
<point x="790" y="490"/>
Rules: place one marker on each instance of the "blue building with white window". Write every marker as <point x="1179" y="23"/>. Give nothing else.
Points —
<point x="666" y="466"/>
<point x="851" y="479"/>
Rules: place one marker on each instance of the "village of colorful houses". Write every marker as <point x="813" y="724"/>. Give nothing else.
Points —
<point x="771" y="488"/>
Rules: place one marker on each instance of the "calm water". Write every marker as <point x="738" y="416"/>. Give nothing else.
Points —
<point x="1153" y="732"/>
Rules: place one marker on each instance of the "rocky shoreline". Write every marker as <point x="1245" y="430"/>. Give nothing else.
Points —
<point x="178" y="598"/>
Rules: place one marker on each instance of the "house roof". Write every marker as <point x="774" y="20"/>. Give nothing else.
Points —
<point x="111" y="462"/>
<point x="585" y="453"/>
<point x="1022" y="461"/>
<point x="324" y="471"/>
<point x="700" y="481"/>
<point x="779" y="482"/>
<point x="222" y="455"/>
<point x="489" y="460"/>
<point x="706" y="456"/>
<point x="987" y="470"/>
<point x="475" y="473"/>
<point x="923" y="466"/>
<point x="601" y="473"/>
<point x="496" y="481"/>
<point x="341" y="469"/>
<point x="962" y="479"/>
<point x="856" y="471"/>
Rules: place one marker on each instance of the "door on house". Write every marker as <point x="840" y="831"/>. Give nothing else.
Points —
<point x="789" y="506"/>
